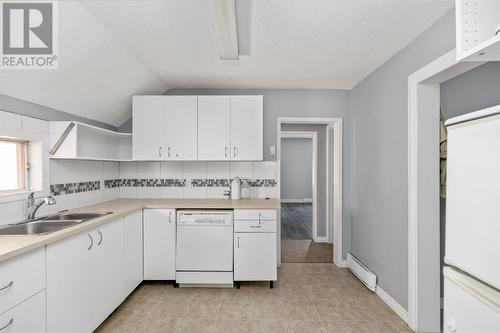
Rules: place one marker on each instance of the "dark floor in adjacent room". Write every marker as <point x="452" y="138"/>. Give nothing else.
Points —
<point x="296" y="236"/>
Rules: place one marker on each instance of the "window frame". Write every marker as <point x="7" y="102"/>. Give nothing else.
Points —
<point x="22" y="166"/>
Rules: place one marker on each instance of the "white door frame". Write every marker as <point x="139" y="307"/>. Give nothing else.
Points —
<point x="423" y="189"/>
<point x="314" y="174"/>
<point x="334" y="202"/>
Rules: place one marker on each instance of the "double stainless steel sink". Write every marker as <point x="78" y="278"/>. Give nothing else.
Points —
<point x="50" y="223"/>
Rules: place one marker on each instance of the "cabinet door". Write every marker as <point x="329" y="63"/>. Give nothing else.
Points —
<point x="133" y="263"/>
<point x="255" y="257"/>
<point x="214" y="128"/>
<point x="159" y="244"/>
<point x="181" y="122"/>
<point x="71" y="285"/>
<point x="148" y="127"/>
<point x="108" y="268"/>
<point x="27" y="317"/>
<point x="247" y="128"/>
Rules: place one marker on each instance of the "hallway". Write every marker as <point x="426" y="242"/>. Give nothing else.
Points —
<point x="297" y="245"/>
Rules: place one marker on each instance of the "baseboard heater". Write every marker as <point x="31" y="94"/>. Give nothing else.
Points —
<point x="366" y="276"/>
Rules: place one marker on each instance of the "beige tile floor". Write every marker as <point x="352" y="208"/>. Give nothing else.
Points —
<point x="306" y="298"/>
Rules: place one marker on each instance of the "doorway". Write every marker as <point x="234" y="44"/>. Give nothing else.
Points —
<point x="309" y="157"/>
<point x="299" y="207"/>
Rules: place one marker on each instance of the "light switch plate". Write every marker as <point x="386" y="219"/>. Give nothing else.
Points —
<point x="272" y="150"/>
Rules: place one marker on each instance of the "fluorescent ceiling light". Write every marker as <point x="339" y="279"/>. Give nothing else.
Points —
<point x="225" y="27"/>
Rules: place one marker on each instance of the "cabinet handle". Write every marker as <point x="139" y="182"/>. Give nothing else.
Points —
<point x="91" y="242"/>
<point x="7" y="325"/>
<point x="238" y="242"/>
<point x="159" y="151"/>
<point x="260" y="217"/>
<point x="255" y="226"/>
<point x="100" y="240"/>
<point x="234" y="151"/>
<point x="170" y="217"/>
<point x="226" y="151"/>
<point x="168" y="151"/>
<point x="7" y="286"/>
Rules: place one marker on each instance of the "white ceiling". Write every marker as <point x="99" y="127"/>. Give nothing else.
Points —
<point x="112" y="49"/>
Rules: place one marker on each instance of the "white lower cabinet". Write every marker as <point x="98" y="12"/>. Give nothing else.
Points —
<point x="159" y="244"/>
<point x="133" y="255"/>
<point x="84" y="278"/>
<point x="27" y="317"/>
<point x="255" y="256"/>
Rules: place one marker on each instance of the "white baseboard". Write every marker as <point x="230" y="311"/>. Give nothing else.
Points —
<point x="322" y="239"/>
<point x="305" y="200"/>
<point x="342" y="264"/>
<point x="395" y="306"/>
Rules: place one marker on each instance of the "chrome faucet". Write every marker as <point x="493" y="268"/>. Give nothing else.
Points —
<point x="33" y="207"/>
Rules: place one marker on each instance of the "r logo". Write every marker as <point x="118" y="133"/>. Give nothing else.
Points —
<point x="27" y="28"/>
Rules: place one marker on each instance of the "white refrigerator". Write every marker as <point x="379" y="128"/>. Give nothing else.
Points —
<point x="472" y="243"/>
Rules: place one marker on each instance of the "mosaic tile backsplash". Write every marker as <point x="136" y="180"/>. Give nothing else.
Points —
<point x="68" y="188"/>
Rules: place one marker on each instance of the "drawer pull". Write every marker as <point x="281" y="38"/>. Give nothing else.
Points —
<point x="255" y="226"/>
<point x="91" y="242"/>
<point x="7" y="286"/>
<point x="100" y="239"/>
<point x="7" y="325"/>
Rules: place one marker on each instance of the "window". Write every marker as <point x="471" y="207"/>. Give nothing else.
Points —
<point x="12" y="165"/>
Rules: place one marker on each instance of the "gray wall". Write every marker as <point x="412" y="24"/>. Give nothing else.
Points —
<point x="14" y="105"/>
<point x="474" y="90"/>
<point x="380" y="170"/>
<point x="296" y="168"/>
<point x="321" y="170"/>
<point x="301" y="103"/>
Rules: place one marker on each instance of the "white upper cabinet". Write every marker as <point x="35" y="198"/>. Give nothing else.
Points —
<point x="181" y="122"/>
<point x="148" y="127"/>
<point x="205" y="128"/>
<point x="214" y="128"/>
<point x="476" y="24"/>
<point x="247" y="133"/>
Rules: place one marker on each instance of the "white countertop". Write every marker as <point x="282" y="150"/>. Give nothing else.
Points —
<point x="11" y="246"/>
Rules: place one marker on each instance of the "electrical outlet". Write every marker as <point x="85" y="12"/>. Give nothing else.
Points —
<point x="272" y="150"/>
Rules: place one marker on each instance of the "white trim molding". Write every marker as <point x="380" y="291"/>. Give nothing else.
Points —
<point x="391" y="302"/>
<point x="423" y="189"/>
<point x="334" y="202"/>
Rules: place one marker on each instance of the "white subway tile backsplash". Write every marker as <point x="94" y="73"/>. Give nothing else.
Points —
<point x="11" y="212"/>
<point x="148" y="170"/>
<point x="172" y="170"/>
<point x="242" y="170"/>
<point x="218" y="170"/>
<point x="195" y="170"/>
<point x="148" y="192"/>
<point x="172" y="192"/>
<point x="111" y="170"/>
<point x="128" y="170"/>
<point x="195" y="192"/>
<point x="265" y="170"/>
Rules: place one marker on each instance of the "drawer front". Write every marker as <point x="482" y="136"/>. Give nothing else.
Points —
<point x="254" y="226"/>
<point x="255" y="214"/>
<point x="21" y="277"/>
<point x="27" y="317"/>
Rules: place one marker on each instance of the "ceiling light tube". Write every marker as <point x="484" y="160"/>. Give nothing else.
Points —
<point x="223" y="13"/>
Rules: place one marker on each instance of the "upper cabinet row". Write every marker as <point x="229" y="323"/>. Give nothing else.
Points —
<point x="210" y="128"/>
<point x="478" y="30"/>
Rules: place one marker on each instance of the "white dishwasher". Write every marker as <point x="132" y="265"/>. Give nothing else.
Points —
<point x="204" y="255"/>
